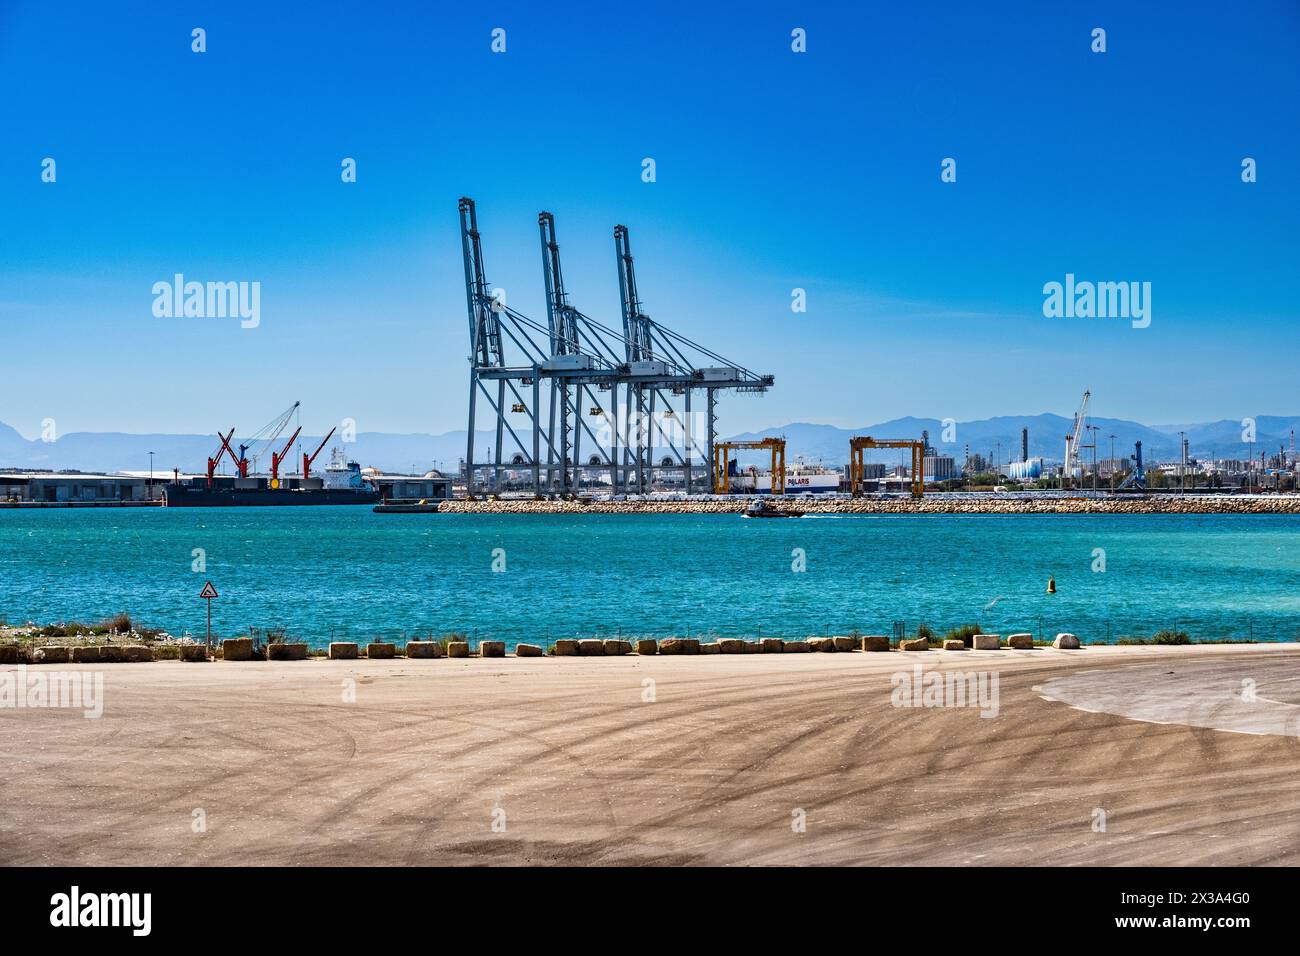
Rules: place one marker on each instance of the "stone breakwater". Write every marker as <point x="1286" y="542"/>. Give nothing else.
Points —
<point x="937" y="504"/>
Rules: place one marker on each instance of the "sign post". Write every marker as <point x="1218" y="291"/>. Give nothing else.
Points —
<point x="208" y="593"/>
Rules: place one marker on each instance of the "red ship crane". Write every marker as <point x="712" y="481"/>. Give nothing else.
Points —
<point x="277" y="460"/>
<point x="225" y="447"/>
<point x="241" y="463"/>
<point x="308" y="459"/>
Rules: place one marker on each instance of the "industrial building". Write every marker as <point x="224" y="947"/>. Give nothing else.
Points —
<point x="427" y="487"/>
<point x="1029" y="470"/>
<point x="871" y="471"/>
<point x="940" y="468"/>
<point x="77" y="487"/>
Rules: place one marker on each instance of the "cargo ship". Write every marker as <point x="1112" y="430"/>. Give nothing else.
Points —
<point x="341" y="483"/>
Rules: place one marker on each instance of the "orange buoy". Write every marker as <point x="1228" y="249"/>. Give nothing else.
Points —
<point x="1051" y="585"/>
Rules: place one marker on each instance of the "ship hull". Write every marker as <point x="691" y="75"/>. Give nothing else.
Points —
<point x="181" y="497"/>
<point x="794" y="484"/>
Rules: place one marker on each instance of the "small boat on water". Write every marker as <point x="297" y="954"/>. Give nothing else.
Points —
<point x="397" y="506"/>
<point x="762" y="508"/>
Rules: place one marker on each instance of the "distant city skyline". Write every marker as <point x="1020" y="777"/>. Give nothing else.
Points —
<point x="776" y="171"/>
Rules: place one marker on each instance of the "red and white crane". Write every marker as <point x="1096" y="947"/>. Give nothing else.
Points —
<point x="1074" y="441"/>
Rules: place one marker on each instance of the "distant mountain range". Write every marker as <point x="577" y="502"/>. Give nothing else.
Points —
<point x="117" y="451"/>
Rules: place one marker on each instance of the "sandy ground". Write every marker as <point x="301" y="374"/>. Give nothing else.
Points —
<point x="751" y="759"/>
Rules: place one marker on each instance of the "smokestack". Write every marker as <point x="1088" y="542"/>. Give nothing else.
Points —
<point x="1024" y="444"/>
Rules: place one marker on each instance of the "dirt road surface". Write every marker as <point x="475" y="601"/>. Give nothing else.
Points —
<point x="1100" y="756"/>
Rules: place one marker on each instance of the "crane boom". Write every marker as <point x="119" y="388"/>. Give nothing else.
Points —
<point x="276" y="460"/>
<point x="561" y="316"/>
<point x="308" y="459"/>
<point x="241" y="463"/>
<point x="1074" y="440"/>
<point x="636" y="324"/>
<point x="225" y="447"/>
<point x="484" y="324"/>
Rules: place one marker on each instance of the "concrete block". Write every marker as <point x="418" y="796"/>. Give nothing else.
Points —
<point x="753" y="647"/>
<point x="875" y="642"/>
<point x="957" y="645"/>
<point x="87" y="655"/>
<point x="458" y="649"/>
<point x="823" y="644"/>
<point x="616" y="648"/>
<point x="680" y="645"/>
<point x="917" y="644"/>
<point x="112" y="654"/>
<point x="731" y="645"/>
<point x="492" y="648"/>
<point x="566" y="648"/>
<point x="419" y="649"/>
<point x="137" y="653"/>
<point x="344" y="651"/>
<point x="986" y="642"/>
<point x="714" y="648"/>
<point x="1021" y="642"/>
<point x="381" y="651"/>
<point x="10" y="654"/>
<point x="285" y="651"/>
<point x="844" y="643"/>
<point x="52" y="655"/>
<point x="194" y="652"/>
<point x="772" y="645"/>
<point x="795" y="647"/>
<point x="1066" y="642"/>
<point x="528" y="650"/>
<point x="237" y="649"/>
<point x="647" y="645"/>
<point x="591" y="648"/>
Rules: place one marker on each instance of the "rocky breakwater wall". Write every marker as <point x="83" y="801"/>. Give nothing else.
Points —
<point x="937" y="504"/>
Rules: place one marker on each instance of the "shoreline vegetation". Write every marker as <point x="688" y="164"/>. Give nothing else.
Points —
<point x="939" y="504"/>
<point x="120" y="638"/>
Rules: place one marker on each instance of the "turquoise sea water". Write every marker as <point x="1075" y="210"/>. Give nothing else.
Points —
<point x="349" y="573"/>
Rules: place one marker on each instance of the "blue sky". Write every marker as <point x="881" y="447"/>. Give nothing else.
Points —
<point x="775" y="170"/>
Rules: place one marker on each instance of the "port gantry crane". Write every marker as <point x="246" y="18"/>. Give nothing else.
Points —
<point x="722" y="463"/>
<point x="661" y="363"/>
<point x="581" y="358"/>
<point x="859" y="443"/>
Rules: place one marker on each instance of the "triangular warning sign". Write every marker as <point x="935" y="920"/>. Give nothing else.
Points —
<point x="208" y="591"/>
